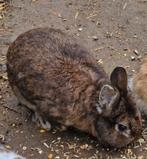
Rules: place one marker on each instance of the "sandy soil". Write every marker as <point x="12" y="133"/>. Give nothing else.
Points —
<point x="116" y="33"/>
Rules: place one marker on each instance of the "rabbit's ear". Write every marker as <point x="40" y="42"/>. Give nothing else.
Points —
<point x="107" y="98"/>
<point x="119" y="79"/>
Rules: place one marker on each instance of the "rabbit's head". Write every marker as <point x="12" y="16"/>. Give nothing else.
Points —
<point x="119" y="121"/>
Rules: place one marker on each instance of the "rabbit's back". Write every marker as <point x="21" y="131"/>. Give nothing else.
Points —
<point x="49" y="58"/>
<point x="46" y="46"/>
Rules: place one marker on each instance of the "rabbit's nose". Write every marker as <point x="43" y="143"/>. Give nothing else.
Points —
<point x="136" y="125"/>
<point x="136" y="131"/>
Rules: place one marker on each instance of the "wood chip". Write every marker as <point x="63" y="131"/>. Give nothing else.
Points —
<point x="77" y="14"/>
<point x="50" y="156"/>
<point x="42" y="131"/>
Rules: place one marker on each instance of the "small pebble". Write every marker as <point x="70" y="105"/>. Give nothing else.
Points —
<point x="13" y="125"/>
<point x="24" y="148"/>
<point x="80" y="29"/>
<point x="133" y="70"/>
<point x="59" y="138"/>
<point x="95" y="38"/>
<point x="135" y="36"/>
<point x="132" y="58"/>
<point x="59" y="15"/>
<point x="64" y="19"/>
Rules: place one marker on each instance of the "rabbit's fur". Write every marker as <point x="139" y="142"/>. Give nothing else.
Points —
<point x="60" y="80"/>
<point x="139" y="86"/>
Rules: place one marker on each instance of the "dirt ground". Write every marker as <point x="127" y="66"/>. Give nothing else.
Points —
<point x="116" y="33"/>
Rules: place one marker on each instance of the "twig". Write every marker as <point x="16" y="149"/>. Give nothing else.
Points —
<point x="11" y="109"/>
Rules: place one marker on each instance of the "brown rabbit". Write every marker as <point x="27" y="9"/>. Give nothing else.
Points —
<point x="59" y="80"/>
<point x="139" y="86"/>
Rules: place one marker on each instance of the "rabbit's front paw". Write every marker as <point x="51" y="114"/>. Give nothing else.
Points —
<point x="41" y="122"/>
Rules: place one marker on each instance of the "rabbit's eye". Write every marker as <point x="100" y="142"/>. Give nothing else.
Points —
<point x="122" y="127"/>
